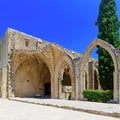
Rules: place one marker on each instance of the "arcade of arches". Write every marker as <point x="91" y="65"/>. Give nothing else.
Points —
<point x="115" y="54"/>
<point x="34" y="73"/>
<point x="49" y="70"/>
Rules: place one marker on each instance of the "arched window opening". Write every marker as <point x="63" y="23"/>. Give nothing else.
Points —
<point x="66" y="79"/>
<point x="26" y="43"/>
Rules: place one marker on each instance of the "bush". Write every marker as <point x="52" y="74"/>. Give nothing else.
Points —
<point x="98" y="96"/>
<point x="69" y="96"/>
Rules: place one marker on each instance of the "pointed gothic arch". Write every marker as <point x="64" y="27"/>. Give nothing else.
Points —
<point x="32" y="76"/>
<point x="64" y="64"/>
<point x="111" y="50"/>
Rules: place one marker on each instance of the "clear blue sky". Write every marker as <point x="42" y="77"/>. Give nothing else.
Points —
<point x="69" y="23"/>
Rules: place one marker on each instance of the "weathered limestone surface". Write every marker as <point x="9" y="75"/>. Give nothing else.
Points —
<point x="4" y="82"/>
<point x="115" y="56"/>
<point x="32" y="67"/>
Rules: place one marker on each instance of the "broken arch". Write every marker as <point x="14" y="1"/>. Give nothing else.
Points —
<point x="111" y="51"/>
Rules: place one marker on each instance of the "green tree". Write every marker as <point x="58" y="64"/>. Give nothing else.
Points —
<point x="108" y="30"/>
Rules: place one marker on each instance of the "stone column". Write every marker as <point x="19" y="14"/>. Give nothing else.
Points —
<point x="117" y="87"/>
<point x="73" y="89"/>
<point x="117" y="76"/>
<point x="91" y="75"/>
<point x="60" y="88"/>
<point x="81" y="86"/>
<point x="55" y="85"/>
<point x="73" y="82"/>
<point x="77" y="81"/>
<point x="119" y="90"/>
<point x="10" y="91"/>
<point x="52" y="85"/>
<point x="56" y="80"/>
<point x="4" y="82"/>
<point x="60" y="82"/>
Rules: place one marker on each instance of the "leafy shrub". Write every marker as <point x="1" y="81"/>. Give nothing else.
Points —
<point x="69" y="96"/>
<point x="98" y="96"/>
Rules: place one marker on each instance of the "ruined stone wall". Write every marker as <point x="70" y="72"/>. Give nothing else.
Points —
<point x="0" y="82"/>
<point x="18" y="41"/>
<point x="4" y="50"/>
<point x="3" y="65"/>
<point x="30" y="78"/>
<point x="28" y="63"/>
<point x="21" y="41"/>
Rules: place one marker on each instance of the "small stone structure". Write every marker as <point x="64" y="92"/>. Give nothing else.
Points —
<point x="30" y="66"/>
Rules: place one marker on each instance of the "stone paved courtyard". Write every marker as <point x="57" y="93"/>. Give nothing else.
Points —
<point x="13" y="110"/>
<point x="106" y="109"/>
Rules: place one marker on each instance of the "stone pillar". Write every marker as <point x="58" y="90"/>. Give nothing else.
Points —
<point x="119" y="90"/>
<point x="91" y="75"/>
<point x="77" y="93"/>
<point x="52" y="85"/>
<point x="117" y="76"/>
<point x="60" y="82"/>
<point x="117" y="87"/>
<point x="4" y="82"/>
<point x="73" y="83"/>
<point x="73" y="89"/>
<point x="10" y="91"/>
<point x="60" y="88"/>
<point x="55" y="85"/>
<point x="77" y="81"/>
<point x="56" y="79"/>
<point x="115" y="94"/>
<point x="81" y="86"/>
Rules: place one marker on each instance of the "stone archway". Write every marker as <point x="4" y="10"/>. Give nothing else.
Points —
<point x="85" y="58"/>
<point x="32" y="78"/>
<point x="64" y="76"/>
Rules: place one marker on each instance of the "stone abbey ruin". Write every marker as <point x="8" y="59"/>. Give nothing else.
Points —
<point x="32" y="67"/>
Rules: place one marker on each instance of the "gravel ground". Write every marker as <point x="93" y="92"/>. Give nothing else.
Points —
<point x="13" y="110"/>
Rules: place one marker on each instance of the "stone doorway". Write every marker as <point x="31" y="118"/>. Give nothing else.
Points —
<point x="47" y="89"/>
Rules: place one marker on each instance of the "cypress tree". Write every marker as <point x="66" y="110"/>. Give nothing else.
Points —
<point x="108" y="30"/>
